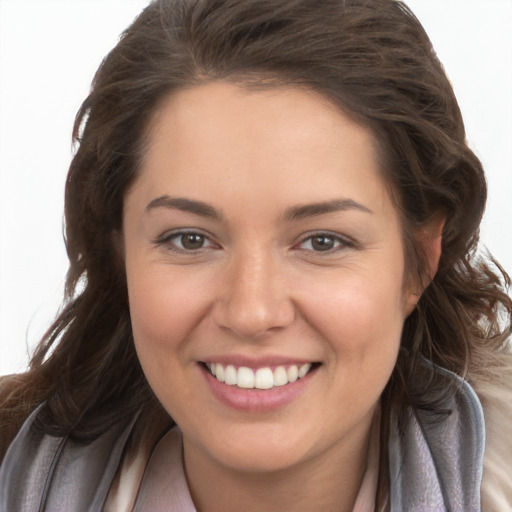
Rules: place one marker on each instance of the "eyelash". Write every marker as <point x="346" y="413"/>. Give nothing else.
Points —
<point x="167" y="240"/>
<point x="339" y="242"/>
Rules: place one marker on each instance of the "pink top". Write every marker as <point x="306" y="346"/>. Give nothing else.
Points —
<point x="365" y="501"/>
<point x="165" y="482"/>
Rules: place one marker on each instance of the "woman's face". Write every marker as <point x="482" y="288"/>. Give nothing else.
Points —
<point x="260" y="241"/>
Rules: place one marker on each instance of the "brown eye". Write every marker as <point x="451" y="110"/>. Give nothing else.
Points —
<point x="186" y="242"/>
<point x="322" y="243"/>
<point x="325" y="242"/>
<point x="192" y="241"/>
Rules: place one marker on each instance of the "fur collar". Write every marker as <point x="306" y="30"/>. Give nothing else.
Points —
<point x="494" y="390"/>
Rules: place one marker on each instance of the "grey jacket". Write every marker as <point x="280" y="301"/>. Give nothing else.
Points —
<point x="434" y="467"/>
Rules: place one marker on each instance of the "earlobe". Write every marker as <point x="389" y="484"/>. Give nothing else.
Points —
<point x="411" y="303"/>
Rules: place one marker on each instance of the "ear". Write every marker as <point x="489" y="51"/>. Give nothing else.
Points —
<point x="429" y="239"/>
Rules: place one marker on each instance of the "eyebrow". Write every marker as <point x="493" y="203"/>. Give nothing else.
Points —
<point x="294" y="213"/>
<point x="185" y="205"/>
<point x="322" y="208"/>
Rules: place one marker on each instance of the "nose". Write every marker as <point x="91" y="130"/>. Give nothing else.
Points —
<point x="254" y="298"/>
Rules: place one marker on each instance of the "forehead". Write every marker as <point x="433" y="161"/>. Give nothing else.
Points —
<point x="219" y="139"/>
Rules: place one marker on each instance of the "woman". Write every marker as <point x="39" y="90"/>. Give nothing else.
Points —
<point x="274" y="299"/>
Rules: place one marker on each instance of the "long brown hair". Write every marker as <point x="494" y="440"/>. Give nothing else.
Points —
<point x="373" y="59"/>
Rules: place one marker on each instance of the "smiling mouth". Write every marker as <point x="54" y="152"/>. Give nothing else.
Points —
<point x="261" y="378"/>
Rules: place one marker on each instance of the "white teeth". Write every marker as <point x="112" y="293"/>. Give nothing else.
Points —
<point x="262" y="378"/>
<point x="230" y="375"/>
<point x="280" y="376"/>
<point x="292" y="373"/>
<point x="219" y="372"/>
<point x="245" y="378"/>
<point x="304" y="369"/>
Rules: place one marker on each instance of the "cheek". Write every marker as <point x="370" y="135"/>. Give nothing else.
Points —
<point x="164" y="308"/>
<point x="359" y="307"/>
<point x="164" y="311"/>
<point x="360" y="316"/>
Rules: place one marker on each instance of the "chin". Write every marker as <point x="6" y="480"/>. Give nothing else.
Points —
<point x="259" y="448"/>
<point x="253" y="460"/>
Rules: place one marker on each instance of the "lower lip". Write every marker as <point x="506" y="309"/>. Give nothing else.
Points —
<point x="256" y="400"/>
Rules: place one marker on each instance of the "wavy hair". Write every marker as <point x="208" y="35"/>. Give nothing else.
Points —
<point x="373" y="60"/>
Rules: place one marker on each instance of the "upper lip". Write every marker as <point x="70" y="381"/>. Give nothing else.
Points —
<point x="259" y="362"/>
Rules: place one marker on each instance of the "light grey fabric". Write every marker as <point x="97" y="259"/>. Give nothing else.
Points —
<point x="53" y="474"/>
<point x="433" y="466"/>
<point x="436" y="466"/>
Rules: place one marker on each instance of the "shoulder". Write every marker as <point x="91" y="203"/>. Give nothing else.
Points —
<point x="14" y="408"/>
<point x="59" y="472"/>
<point x="494" y="389"/>
<point x="436" y="455"/>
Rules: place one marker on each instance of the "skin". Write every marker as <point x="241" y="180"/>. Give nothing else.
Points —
<point x="258" y="288"/>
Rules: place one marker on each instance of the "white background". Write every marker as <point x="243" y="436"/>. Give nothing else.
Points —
<point x="49" y="51"/>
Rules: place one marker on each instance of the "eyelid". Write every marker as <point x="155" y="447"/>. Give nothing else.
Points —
<point x="343" y="240"/>
<point x="167" y="237"/>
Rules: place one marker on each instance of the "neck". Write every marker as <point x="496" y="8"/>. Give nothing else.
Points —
<point x="329" y="482"/>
